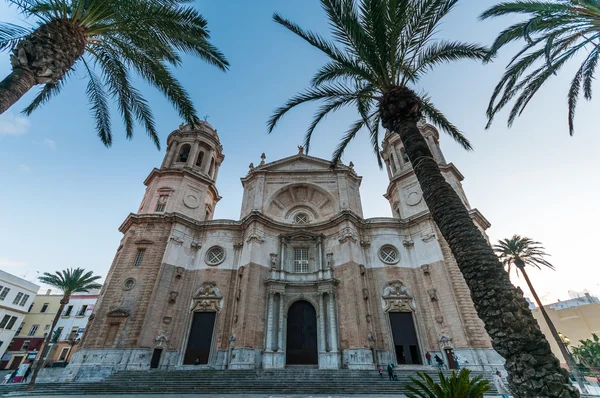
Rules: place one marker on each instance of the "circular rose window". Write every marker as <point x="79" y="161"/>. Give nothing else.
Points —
<point x="389" y="254"/>
<point x="129" y="284"/>
<point x="301" y="218"/>
<point x="215" y="255"/>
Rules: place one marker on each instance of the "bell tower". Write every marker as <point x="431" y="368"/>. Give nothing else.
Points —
<point x="185" y="182"/>
<point x="404" y="193"/>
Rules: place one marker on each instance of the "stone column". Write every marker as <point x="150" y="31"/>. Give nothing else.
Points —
<point x="191" y="162"/>
<point x="269" y="344"/>
<point x="172" y="151"/>
<point x="332" y="324"/>
<point x="281" y="323"/>
<point x="208" y="155"/>
<point x="322" y="335"/>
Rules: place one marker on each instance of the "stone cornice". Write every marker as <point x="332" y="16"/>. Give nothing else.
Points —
<point x="186" y="171"/>
<point x="480" y="219"/>
<point x="267" y="168"/>
<point x="410" y="173"/>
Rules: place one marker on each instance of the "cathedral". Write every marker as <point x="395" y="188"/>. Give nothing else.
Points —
<point x="301" y="279"/>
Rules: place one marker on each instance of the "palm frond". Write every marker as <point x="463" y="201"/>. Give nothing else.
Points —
<point x="554" y="32"/>
<point x="10" y="34"/>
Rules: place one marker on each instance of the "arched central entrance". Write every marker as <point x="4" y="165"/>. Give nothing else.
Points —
<point x="301" y="348"/>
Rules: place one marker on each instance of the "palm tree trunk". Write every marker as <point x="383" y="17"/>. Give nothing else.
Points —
<point x="37" y="366"/>
<point x="14" y="86"/>
<point x="563" y="350"/>
<point x="44" y="56"/>
<point x="533" y="370"/>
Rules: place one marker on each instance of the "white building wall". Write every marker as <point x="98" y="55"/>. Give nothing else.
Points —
<point x="78" y="316"/>
<point x="16" y="295"/>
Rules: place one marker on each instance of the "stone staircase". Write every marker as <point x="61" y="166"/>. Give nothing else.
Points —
<point x="288" y="381"/>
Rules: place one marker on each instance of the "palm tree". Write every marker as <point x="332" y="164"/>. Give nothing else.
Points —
<point x="456" y="385"/>
<point x="105" y="40"/>
<point x="69" y="281"/>
<point x="379" y="52"/>
<point x="520" y="251"/>
<point x="554" y="32"/>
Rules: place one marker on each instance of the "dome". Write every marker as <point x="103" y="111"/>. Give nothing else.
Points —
<point x="201" y="126"/>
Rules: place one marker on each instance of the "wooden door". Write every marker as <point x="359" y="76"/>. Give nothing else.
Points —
<point x="301" y="348"/>
<point x="200" y="339"/>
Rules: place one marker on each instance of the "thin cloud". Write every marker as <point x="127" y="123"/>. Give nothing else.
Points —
<point x="13" y="125"/>
<point x="50" y="144"/>
<point x="7" y="263"/>
<point x="24" y="167"/>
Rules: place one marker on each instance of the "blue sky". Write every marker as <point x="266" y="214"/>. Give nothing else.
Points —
<point x="64" y="194"/>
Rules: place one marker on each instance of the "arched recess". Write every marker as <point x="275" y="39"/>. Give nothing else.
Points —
<point x="402" y="324"/>
<point x="312" y="199"/>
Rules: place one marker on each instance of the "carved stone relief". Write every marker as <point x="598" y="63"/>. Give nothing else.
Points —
<point x="207" y="298"/>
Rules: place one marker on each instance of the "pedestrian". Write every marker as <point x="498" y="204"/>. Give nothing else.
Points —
<point x="12" y="376"/>
<point x="380" y="370"/>
<point x="197" y="361"/>
<point x="500" y="385"/>
<point x="390" y="370"/>
<point x="6" y="377"/>
<point x="428" y="356"/>
<point x="456" y="361"/>
<point x="26" y="376"/>
<point x="440" y="361"/>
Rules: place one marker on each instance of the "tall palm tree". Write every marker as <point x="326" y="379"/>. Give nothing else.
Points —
<point x="379" y="52"/>
<point x="69" y="281"/>
<point x="553" y="32"/>
<point x="105" y="40"/>
<point x="519" y="252"/>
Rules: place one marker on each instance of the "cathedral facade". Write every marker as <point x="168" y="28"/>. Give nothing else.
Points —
<point x="302" y="278"/>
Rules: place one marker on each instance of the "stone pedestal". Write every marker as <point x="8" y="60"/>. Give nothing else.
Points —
<point x="273" y="360"/>
<point x="358" y="358"/>
<point x="329" y="360"/>
<point x="245" y="358"/>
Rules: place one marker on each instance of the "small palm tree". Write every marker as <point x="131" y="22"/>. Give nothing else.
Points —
<point x="105" y="40"/>
<point x="519" y="252"/>
<point x="553" y="32"/>
<point x="379" y="52"/>
<point x="456" y="385"/>
<point x="69" y="281"/>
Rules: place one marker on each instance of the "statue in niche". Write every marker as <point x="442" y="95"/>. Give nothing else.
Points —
<point x="329" y="260"/>
<point x="232" y="339"/>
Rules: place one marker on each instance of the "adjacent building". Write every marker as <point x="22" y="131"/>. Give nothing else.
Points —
<point x="16" y="296"/>
<point x="576" y="319"/>
<point x="302" y="278"/>
<point x="37" y="323"/>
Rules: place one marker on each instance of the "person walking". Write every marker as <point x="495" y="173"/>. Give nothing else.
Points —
<point x="380" y="370"/>
<point x="390" y="370"/>
<point x="440" y="361"/>
<point x="500" y="385"/>
<point x="26" y="376"/>
<point x="12" y="376"/>
<point x="456" y="361"/>
<point x="428" y="357"/>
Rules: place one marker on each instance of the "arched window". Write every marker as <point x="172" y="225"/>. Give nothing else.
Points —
<point x="184" y="153"/>
<point x="212" y="167"/>
<point x="404" y="156"/>
<point x="200" y="158"/>
<point x="393" y="162"/>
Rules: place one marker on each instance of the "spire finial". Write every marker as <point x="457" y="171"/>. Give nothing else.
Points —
<point x="262" y="157"/>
